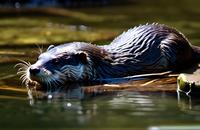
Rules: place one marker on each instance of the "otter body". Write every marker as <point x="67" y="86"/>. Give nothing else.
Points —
<point x="144" y="49"/>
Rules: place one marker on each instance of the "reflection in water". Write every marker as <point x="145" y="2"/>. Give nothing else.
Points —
<point x="69" y="91"/>
<point x="189" y="103"/>
<point x="118" y="99"/>
<point x="140" y="101"/>
<point x="77" y="106"/>
<point x="122" y="107"/>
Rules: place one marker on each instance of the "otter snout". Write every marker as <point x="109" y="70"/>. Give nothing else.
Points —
<point x="34" y="70"/>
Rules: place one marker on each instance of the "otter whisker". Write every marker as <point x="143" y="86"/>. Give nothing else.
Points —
<point x="22" y="76"/>
<point x="54" y="81"/>
<point x="47" y="82"/>
<point x="24" y="80"/>
<point x="62" y="80"/>
<point x="40" y="49"/>
<point x="61" y="77"/>
<point x="21" y="64"/>
<point x="21" y="72"/>
<point x="24" y="63"/>
<point x="23" y="68"/>
<point x="50" y="85"/>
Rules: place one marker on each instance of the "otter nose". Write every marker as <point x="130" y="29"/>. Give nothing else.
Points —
<point x="34" y="71"/>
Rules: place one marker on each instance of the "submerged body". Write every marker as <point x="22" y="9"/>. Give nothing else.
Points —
<point x="143" y="49"/>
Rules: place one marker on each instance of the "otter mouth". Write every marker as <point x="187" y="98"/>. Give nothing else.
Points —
<point x="38" y="75"/>
<point x="46" y="77"/>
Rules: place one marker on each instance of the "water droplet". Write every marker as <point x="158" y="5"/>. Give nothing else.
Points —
<point x="50" y="96"/>
<point x="69" y="104"/>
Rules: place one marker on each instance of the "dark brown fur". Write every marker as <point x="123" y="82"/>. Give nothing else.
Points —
<point x="147" y="48"/>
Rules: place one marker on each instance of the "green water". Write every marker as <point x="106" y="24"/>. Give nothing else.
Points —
<point x="122" y="109"/>
<point x="134" y="107"/>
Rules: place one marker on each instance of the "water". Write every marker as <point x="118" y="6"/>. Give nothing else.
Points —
<point x="137" y="105"/>
<point x="121" y="109"/>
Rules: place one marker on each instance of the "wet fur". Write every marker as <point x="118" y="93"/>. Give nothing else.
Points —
<point x="147" y="48"/>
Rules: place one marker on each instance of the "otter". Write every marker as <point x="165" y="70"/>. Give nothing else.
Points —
<point x="149" y="48"/>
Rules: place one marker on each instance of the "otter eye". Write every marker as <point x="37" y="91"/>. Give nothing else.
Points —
<point x="55" y="61"/>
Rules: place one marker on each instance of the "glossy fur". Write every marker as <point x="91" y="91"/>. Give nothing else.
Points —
<point x="144" y="49"/>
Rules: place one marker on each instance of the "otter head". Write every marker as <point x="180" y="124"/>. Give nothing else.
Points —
<point x="58" y="65"/>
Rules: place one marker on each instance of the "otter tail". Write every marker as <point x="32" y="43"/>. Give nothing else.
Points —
<point x="196" y="56"/>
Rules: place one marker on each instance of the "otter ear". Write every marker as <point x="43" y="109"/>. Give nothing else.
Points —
<point x="50" y="47"/>
<point x="83" y="57"/>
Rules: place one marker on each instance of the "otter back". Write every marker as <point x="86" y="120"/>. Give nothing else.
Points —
<point x="151" y="48"/>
